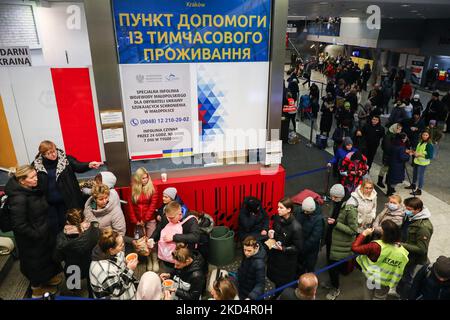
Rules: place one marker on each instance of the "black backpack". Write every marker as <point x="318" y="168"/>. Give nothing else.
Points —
<point x="5" y="216"/>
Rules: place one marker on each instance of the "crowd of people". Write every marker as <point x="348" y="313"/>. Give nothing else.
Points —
<point x="60" y="224"/>
<point x="392" y="244"/>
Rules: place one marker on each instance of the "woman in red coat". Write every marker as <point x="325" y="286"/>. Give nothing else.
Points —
<point x="406" y="91"/>
<point x="142" y="207"/>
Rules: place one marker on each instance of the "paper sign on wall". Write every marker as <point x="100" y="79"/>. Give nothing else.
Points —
<point x="113" y="135"/>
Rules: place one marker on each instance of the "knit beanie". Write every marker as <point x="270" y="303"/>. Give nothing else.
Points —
<point x="171" y="193"/>
<point x="347" y="141"/>
<point x="442" y="267"/>
<point x="337" y="191"/>
<point x="308" y="204"/>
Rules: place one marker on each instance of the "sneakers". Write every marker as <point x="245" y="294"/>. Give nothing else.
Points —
<point x="56" y="280"/>
<point x="418" y="192"/>
<point x="411" y="187"/>
<point x="333" y="294"/>
<point x="38" y="292"/>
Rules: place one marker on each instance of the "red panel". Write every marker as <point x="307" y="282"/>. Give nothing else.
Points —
<point x="76" y="112"/>
<point x="221" y="195"/>
<point x="149" y="156"/>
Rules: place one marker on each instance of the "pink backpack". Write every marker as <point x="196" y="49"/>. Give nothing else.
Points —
<point x="165" y="249"/>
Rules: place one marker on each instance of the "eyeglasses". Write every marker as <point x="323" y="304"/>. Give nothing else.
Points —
<point x="49" y="152"/>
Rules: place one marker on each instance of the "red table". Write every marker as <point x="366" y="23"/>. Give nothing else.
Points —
<point x="221" y="194"/>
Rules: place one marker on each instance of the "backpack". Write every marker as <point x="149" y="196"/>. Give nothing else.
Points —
<point x="165" y="249"/>
<point x="5" y="215"/>
<point x="305" y="102"/>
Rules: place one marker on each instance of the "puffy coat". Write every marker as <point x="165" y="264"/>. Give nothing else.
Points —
<point x="251" y="224"/>
<point x="417" y="232"/>
<point x="191" y="280"/>
<point x="396" y="172"/>
<point x="282" y="265"/>
<point x="144" y="209"/>
<point x="110" y="216"/>
<point x="252" y="275"/>
<point x="366" y="207"/>
<point x="75" y="248"/>
<point x="427" y="287"/>
<point x="396" y="216"/>
<point x="373" y="134"/>
<point x="66" y="180"/>
<point x="184" y="208"/>
<point x="352" y="171"/>
<point x="29" y="218"/>
<point x="344" y="232"/>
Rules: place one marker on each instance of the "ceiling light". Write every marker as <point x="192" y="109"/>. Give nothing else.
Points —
<point x="405" y="5"/>
<point x="352" y="9"/>
<point x="414" y="11"/>
<point x="323" y="3"/>
<point x="391" y="17"/>
<point x="312" y="46"/>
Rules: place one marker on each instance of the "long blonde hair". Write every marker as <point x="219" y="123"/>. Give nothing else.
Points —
<point x="21" y="173"/>
<point x="137" y="188"/>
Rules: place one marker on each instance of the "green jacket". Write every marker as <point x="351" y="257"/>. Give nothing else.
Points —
<point x="344" y="233"/>
<point x="418" y="236"/>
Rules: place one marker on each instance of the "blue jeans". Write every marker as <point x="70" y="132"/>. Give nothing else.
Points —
<point x="419" y="173"/>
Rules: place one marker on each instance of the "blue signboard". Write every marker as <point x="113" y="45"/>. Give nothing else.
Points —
<point x="180" y="31"/>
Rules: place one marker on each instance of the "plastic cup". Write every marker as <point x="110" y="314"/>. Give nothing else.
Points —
<point x="271" y="234"/>
<point x="151" y="243"/>
<point x="168" y="284"/>
<point x="163" y="177"/>
<point x="130" y="257"/>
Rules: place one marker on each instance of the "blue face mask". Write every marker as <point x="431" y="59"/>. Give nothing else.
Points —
<point x="409" y="213"/>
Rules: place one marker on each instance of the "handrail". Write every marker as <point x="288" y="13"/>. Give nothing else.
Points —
<point x="292" y="44"/>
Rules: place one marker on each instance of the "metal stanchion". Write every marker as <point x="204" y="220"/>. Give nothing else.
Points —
<point x="310" y="143"/>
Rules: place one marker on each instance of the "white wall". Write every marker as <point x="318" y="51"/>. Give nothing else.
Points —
<point x="57" y="39"/>
<point x="354" y="31"/>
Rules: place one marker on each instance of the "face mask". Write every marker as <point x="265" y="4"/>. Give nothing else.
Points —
<point x="392" y="206"/>
<point x="409" y="213"/>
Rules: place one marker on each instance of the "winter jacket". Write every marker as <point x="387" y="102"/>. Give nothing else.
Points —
<point x="29" y="219"/>
<point x="326" y="121"/>
<point x="191" y="280"/>
<point x="435" y="134"/>
<point x="312" y="228"/>
<point x="417" y="233"/>
<point x="427" y="287"/>
<point x="66" y="181"/>
<point x="75" y="249"/>
<point x="144" y="209"/>
<point x="251" y="224"/>
<point x="398" y="115"/>
<point x="373" y="135"/>
<point x="413" y="135"/>
<point x="110" y="277"/>
<point x="341" y="154"/>
<point x="110" y="216"/>
<point x="366" y="207"/>
<point x="352" y="171"/>
<point x="191" y="232"/>
<point x="160" y="211"/>
<point x="386" y="145"/>
<point x="396" y="216"/>
<point x="405" y="92"/>
<point x="252" y="275"/>
<point x="396" y="163"/>
<point x="339" y="134"/>
<point x="282" y="265"/>
<point x="344" y="232"/>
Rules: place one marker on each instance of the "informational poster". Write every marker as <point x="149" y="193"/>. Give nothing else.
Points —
<point x="15" y="57"/>
<point x="416" y="65"/>
<point x="158" y="108"/>
<point x="194" y="75"/>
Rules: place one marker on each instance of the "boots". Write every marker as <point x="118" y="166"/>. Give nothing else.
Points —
<point x="154" y="257"/>
<point x="380" y="182"/>
<point x="390" y="191"/>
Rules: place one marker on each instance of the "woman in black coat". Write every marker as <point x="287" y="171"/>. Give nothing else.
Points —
<point x="29" y="219"/>
<point x="56" y="178"/>
<point x="286" y="245"/>
<point x="326" y="120"/>
<point x="373" y="132"/>
<point x="397" y="160"/>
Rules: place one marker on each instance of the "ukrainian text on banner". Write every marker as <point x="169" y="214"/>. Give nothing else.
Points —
<point x="180" y="31"/>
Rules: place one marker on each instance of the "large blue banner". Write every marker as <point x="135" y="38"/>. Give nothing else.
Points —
<point x="180" y="31"/>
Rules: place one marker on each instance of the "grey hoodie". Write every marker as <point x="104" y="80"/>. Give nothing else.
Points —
<point x="110" y="216"/>
<point x="424" y="214"/>
<point x="109" y="179"/>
